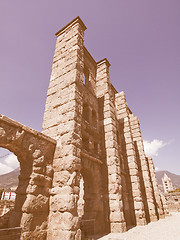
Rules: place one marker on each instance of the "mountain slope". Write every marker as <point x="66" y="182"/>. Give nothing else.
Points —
<point x="174" y="178"/>
<point x="9" y="180"/>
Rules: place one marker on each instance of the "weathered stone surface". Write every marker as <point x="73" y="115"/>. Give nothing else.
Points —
<point x="63" y="221"/>
<point x="38" y="161"/>
<point x="96" y="154"/>
<point x="61" y="178"/>
<point x="39" y="235"/>
<point x="65" y="190"/>
<point x="35" y="204"/>
<point x="26" y="221"/>
<point x="61" y="235"/>
<point x="118" y="227"/>
<point x="63" y="202"/>
<point x="69" y="162"/>
<point x="40" y="180"/>
<point x="117" y="216"/>
<point x="34" y="150"/>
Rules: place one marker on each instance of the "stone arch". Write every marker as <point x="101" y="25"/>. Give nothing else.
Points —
<point x="35" y="155"/>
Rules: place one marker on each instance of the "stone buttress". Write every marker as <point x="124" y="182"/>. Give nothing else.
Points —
<point x="130" y="159"/>
<point x="146" y="185"/>
<point x="157" y="198"/>
<point x="109" y="122"/>
<point x="62" y="121"/>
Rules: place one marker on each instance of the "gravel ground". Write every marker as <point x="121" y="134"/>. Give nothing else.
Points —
<point x="164" y="229"/>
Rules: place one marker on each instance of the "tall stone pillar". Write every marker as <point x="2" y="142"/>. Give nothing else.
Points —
<point x="157" y="196"/>
<point x="109" y="122"/>
<point x="62" y="121"/>
<point x="130" y="156"/>
<point x="143" y="165"/>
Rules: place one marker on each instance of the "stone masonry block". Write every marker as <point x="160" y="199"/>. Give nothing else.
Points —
<point x="33" y="203"/>
<point x="117" y="227"/>
<point x="63" y="203"/>
<point x="69" y="162"/>
<point x="62" y="221"/>
<point x="117" y="216"/>
<point x="61" y="178"/>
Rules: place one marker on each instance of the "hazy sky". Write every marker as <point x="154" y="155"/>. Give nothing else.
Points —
<point x="141" y="40"/>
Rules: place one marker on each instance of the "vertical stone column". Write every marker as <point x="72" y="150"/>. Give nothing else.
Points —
<point x="137" y="138"/>
<point x="123" y="116"/>
<point x="103" y="87"/>
<point x="36" y="205"/>
<point x="156" y="189"/>
<point x="62" y="121"/>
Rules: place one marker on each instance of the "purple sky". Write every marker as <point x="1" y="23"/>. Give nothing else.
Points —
<point x="141" y="40"/>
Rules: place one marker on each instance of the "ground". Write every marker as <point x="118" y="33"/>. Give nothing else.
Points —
<point x="164" y="229"/>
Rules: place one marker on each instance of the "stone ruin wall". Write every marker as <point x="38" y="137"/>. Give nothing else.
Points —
<point x="35" y="155"/>
<point x="173" y="201"/>
<point x="99" y="139"/>
<point x="90" y="136"/>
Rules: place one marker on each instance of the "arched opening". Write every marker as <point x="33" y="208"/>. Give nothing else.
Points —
<point x="84" y="79"/>
<point x="85" y="75"/>
<point x="8" y="161"/>
<point x="9" y="173"/>
<point x="90" y="203"/>
<point x="85" y="143"/>
<point x="80" y="206"/>
<point x="86" y="204"/>
<point x="24" y="164"/>
<point x="94" y="119"/>
<point x="85" y="112"/>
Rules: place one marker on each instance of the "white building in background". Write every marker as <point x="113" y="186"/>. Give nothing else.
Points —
<point x="8" y="196"/>
<point x="167" y="184"/>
